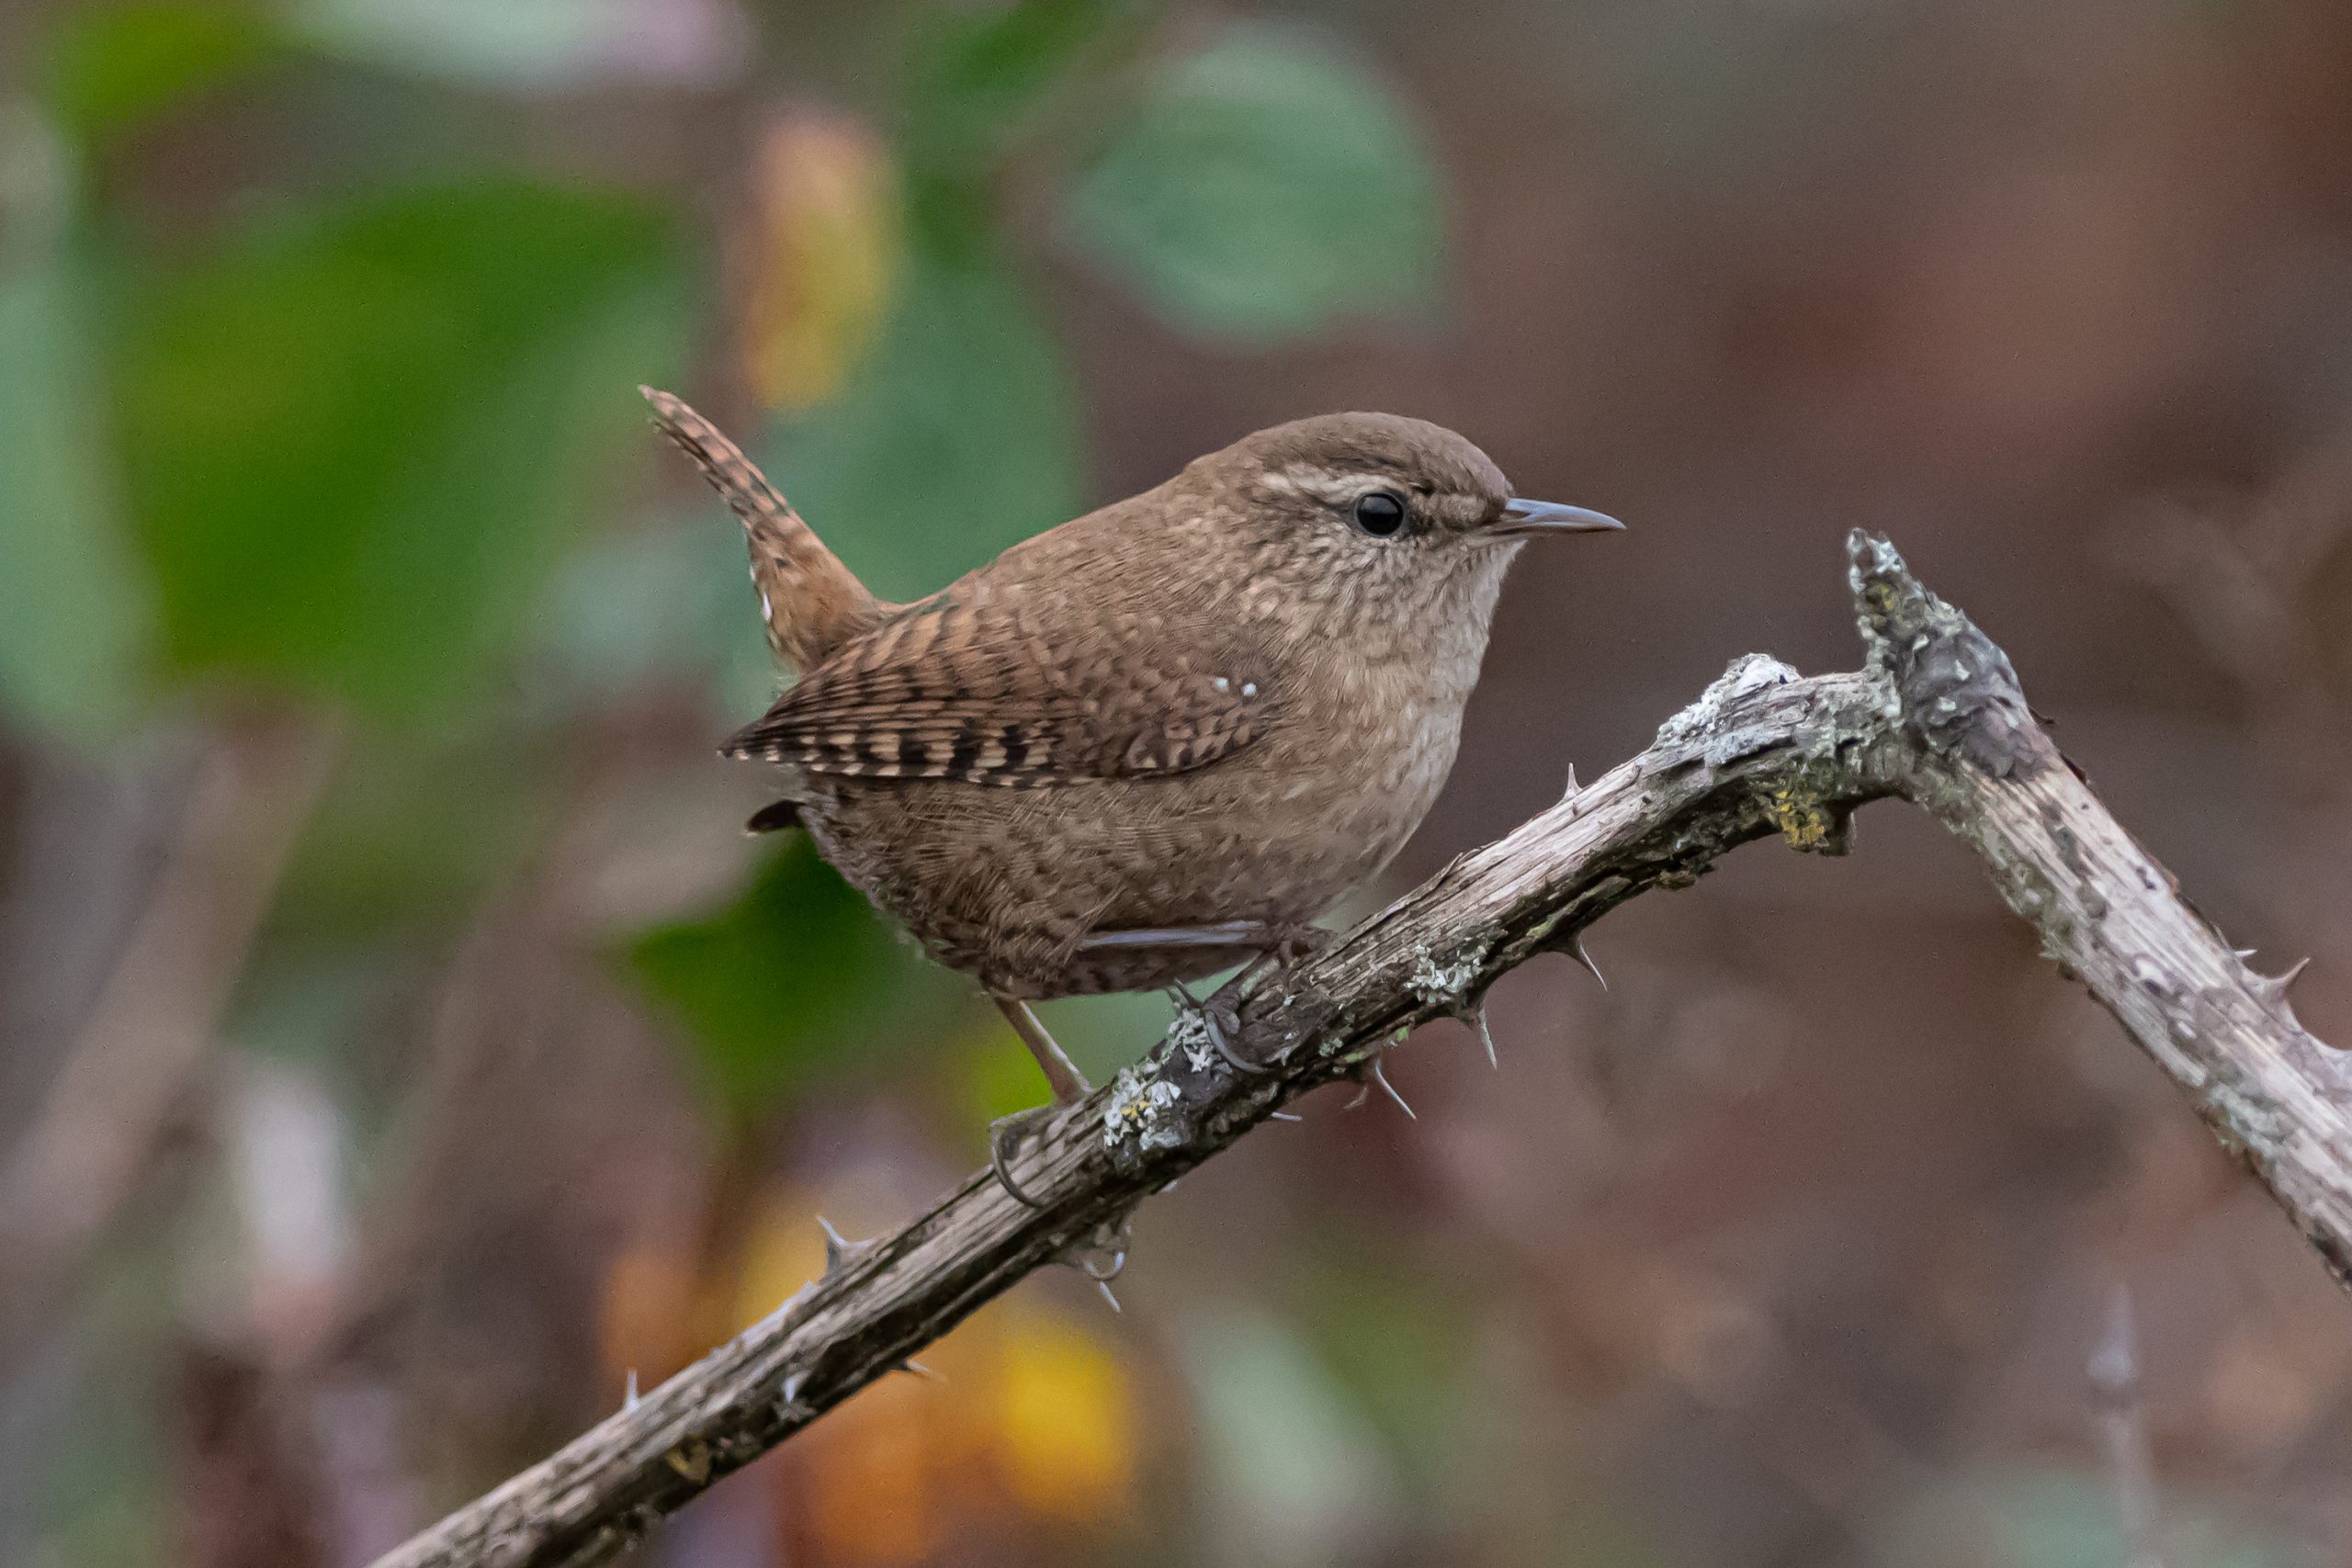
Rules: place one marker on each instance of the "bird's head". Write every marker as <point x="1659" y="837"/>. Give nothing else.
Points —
<point x="1393" y="514"/>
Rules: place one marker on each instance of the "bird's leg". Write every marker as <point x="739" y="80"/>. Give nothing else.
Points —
<point x="1069" y="1087"/>
<point x="1255" y="934"/>
<point x="1275" y="942"/>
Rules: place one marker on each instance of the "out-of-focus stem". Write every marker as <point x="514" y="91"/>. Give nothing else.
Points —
<point x="146" y="1037"/>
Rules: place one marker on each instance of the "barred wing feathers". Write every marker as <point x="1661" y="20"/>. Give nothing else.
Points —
<point x="983" y="691"/>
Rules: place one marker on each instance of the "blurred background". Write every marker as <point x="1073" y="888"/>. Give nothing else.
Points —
<point x="401" y="1048"/>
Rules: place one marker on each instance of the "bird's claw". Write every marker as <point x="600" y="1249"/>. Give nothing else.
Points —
<point x="1214" y="1015"/>
<point x="1005" y="1138"/>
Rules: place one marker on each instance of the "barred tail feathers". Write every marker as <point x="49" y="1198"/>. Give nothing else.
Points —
<point x="811" y="602"/>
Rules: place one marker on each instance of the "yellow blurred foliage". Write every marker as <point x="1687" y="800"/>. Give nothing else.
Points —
<point x="824" y="258"/>
<point x="1067" y="1429"/>
<point x="784" y="1250"/>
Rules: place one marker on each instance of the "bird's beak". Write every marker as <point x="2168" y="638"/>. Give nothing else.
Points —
<point x="1524" y="519"/>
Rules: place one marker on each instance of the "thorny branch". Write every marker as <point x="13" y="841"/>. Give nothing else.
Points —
<point x="1935" y="716"/>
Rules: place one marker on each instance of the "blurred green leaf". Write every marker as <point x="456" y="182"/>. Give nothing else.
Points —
<point x="979" y="77"/>
<point x="794" y="978"/>
<point x="1263" y="188"/>
<point x="1395" y="1341"/>
<point x="352" y="443"/>
<point x="957" y="436"/>
<point x="1105" y="1033"/>
<point x="1100" y="1033"/>
<point x="72" y="605"/>
<point x="411" y="831"/>
<point x="1293" y="1472"/>
<point x="110" y="69"/>
<point x="999" y="1078"/>
<point x="669" y="603"/>
<point x="978" y="70"/>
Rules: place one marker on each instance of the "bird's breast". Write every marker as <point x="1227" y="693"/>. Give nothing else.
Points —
<point x="1352" y="767"/>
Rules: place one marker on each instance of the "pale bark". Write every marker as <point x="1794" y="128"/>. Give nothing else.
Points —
<point x="1935" y="716"/>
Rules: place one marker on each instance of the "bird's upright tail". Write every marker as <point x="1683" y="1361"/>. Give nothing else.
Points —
<point x="812" y="603"/>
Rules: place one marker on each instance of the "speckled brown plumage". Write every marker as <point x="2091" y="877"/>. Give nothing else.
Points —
<point x="1226" y="699"/>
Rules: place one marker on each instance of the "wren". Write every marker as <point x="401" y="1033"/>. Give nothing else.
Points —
<point x="1155" y="741"/>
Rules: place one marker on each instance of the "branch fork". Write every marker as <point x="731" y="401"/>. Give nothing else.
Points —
<point x="1935" y="716"/>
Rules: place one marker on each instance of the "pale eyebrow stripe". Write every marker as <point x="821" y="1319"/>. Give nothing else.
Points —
<point x="1324" y="484"/>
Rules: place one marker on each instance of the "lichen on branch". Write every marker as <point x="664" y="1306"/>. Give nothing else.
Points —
<point x="1936" y="716"/>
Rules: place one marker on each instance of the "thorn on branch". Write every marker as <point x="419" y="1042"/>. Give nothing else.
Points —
<point x="1370" y="1074"/>
<point x="1379" y="1077"/>
<point x="840" y="1251"/>
<point x="1110" y="1237"/>
<point x="2272" y="989"/>
<point x="1928" y="719"/>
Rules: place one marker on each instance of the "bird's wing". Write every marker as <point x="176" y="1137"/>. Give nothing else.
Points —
<point x="983" y="689"/>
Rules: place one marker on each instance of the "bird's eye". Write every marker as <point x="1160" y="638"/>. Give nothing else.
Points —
<point x="1380" y="512"/>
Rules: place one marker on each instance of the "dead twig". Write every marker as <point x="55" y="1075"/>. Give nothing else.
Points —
<point x="1935" y="716"/>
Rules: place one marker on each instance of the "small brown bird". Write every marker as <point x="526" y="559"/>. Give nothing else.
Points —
<point x="1153" y="742"/>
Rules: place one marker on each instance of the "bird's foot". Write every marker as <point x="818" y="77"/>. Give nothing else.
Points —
<point x="1069" y="1087"/>
<point x="1280" y="945"/>
<point x="1220" y="1021"/>
<point x="1004" y="1142"/>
